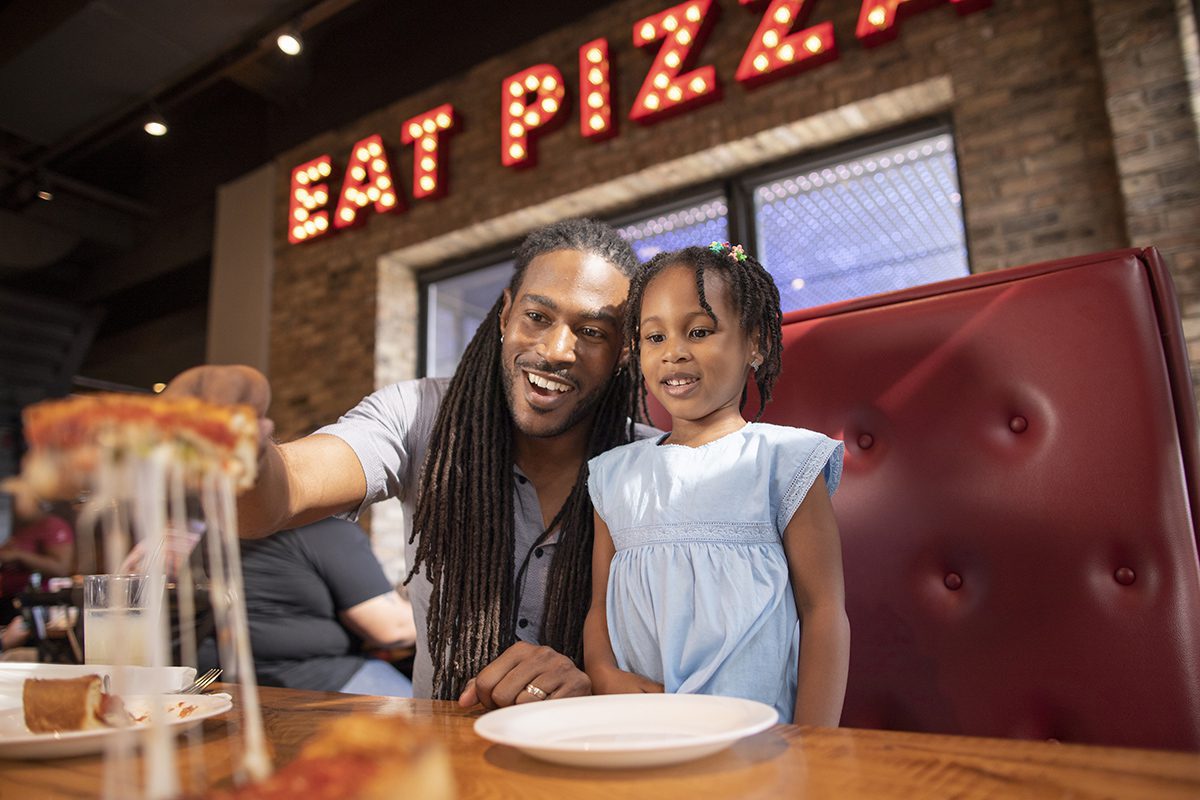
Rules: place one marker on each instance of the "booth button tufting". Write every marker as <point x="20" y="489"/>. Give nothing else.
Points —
<point x="1018" y="424"/>
<point x="953" y="581"/>
<point x="865" y="440"/>
<point x="1125" y="576"/>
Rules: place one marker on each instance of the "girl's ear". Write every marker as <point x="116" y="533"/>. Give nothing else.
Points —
<point x="757" y="347"/>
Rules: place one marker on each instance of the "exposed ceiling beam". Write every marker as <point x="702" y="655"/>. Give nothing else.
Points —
<point x="89" y="138"/>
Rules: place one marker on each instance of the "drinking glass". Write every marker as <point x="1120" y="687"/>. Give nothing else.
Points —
<point x="115" y="619"/>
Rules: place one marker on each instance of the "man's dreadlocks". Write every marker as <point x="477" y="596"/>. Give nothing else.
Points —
<point x="464" y="514"/>
<point x="755" y="295"/>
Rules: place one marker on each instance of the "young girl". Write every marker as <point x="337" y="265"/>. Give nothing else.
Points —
<point x="716" y="543"/>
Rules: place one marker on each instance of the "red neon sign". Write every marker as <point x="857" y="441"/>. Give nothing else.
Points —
<point x="878" y="19"/>
<point x="368" y="181"/>
<point x="595" y="91"/>
<point x="682" y="30"/>
<point x="307" y="194"/>
<point x="531" y="100"/>
<point x="775" y="51"/>
<point x="424" y="132"/>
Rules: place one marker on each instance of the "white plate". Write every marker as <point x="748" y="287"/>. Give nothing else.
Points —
<point x="183" y="711"/>
<point x="133" y="680"/>
<point x="626" y="730"/>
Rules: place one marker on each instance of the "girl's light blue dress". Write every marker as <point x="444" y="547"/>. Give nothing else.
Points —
<point x="699" y="596"/>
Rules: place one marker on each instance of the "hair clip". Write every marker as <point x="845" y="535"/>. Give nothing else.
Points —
<point x="735" y="251"/>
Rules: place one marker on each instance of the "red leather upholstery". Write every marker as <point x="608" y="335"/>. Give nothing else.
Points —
<point x="1019" y="504"/>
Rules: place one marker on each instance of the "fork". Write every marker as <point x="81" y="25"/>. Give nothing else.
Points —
<point x="202" y="683"/>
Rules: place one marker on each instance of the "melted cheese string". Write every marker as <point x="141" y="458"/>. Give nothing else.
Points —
<point x="146" y="495"/>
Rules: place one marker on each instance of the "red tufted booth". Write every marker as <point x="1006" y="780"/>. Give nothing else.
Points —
<point x="1019" y="505"/>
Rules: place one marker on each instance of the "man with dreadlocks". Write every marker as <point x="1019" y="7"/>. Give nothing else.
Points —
<point x="489" y="465"/>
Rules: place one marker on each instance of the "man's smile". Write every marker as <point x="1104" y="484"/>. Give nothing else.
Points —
<point x="550" y="384"/>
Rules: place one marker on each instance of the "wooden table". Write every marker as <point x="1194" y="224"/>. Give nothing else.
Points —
<point x="786" y="761"/>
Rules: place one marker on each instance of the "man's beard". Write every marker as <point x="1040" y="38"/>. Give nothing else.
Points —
<point x="584" y="407"/>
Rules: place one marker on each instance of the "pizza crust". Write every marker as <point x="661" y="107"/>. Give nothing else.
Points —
<point x="55" y="705"/>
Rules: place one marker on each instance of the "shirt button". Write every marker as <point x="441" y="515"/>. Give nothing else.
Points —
<point x="522" y="623"/>
<point x="521" y="479"/>
<point x="537" y="553"/>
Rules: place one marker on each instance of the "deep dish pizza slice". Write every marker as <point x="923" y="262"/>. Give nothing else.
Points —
<point x="364" y="756"/>
<point x="68" y="438"/>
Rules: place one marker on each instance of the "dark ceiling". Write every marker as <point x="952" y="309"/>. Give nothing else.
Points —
<point x="127" y="234"/>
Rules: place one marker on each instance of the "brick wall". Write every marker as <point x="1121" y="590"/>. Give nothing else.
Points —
<point x="1035" y="91"/>
<point x="1145" y="50"/>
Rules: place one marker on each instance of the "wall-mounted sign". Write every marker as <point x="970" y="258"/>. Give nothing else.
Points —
<point x="534" y="101"/>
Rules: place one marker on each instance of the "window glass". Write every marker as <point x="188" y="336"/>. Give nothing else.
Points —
<point x="698" y="224"/>
<point x="881" y="221"/>
<point x="456" y="307"/>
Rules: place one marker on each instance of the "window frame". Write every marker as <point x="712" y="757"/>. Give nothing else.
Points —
<point x="738" y="191"/>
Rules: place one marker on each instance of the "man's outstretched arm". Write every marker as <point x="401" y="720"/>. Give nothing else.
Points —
<point x="298" y="482"/>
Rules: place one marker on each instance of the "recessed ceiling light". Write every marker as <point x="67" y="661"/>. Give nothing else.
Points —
<point x="290" y="43"/>
<point x="155" y="125"/>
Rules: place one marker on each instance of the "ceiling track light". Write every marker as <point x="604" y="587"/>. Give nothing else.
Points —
<point x="155" y="125"/>
<point x="289" y="42"/>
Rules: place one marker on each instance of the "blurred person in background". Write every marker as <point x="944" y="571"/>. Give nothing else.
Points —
<point x="318" y="604"/>
<point x="42" y="543"/>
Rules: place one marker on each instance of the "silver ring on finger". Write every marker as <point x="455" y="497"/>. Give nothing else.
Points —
<point x="535" y="691"/>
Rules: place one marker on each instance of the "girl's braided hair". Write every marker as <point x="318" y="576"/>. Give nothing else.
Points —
<point x="754" y="294"/>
